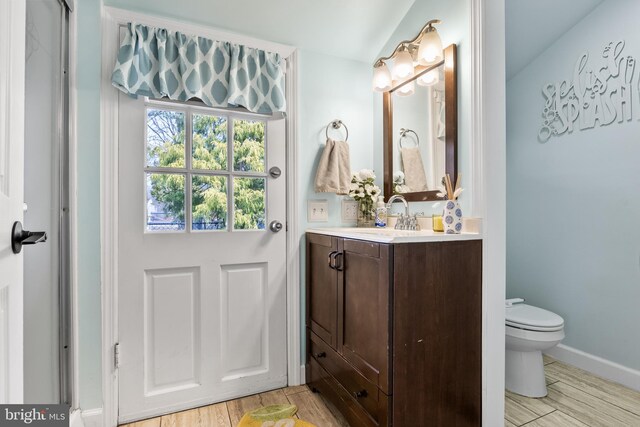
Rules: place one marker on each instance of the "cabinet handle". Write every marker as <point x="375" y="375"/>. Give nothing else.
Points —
<point x="321" y="355"/>
<point x="332" y="259"/>
<point x="359" y="394"/>
<point x="339" y="267"/>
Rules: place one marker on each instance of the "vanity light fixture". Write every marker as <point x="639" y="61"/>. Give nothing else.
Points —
<point x="407" y="89"/>
<point x="429" y="78"/>
<point x="424" y="49"/>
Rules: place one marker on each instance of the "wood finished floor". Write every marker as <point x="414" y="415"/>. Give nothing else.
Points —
<point x="575" y="399"/>
<point x="311" y="407"/>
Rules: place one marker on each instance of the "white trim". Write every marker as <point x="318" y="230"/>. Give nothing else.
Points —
<point x="91" y="418"/>
<point x="75" y="418"/>
<point x="597" y="365"/>
<point x="303" y="374"/>
<point x="488" y="140"/>
<point x="112" y="18"/>
<point x="293" y="245"/>
<point x="73" y="211"/>
<point x="476" y="196"/>
<point x="109" y="219"/>
<point x="123" y="16"/>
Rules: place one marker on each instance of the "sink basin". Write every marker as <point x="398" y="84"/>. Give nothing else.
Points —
<point x="390" y="235"/>
<point x="387" y="231"/>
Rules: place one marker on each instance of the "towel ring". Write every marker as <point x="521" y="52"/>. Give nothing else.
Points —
<point x="403" y="134"/>
<point x="336" y="124"/>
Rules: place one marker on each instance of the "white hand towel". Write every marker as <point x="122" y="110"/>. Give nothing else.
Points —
<point x="414" y="176"/>
<point x="334" y="169"/>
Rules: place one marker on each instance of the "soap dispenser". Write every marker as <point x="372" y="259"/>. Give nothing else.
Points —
<point x="381" y="213"/>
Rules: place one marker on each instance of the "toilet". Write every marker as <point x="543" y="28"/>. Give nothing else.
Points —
<point x="529" y="331"/>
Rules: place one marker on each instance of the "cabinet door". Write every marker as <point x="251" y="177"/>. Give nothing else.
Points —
<point x="322" y="287"/>
<point x="437" y="335"/>
<point x="363" y="308"/>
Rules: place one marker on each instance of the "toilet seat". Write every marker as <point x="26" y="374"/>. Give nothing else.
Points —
<point x="530" y="318"/>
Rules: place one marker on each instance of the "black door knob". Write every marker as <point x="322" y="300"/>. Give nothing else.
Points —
<point x="21" y="237"/>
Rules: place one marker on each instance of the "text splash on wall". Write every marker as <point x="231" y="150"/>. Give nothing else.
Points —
<point x="598" y="94"/>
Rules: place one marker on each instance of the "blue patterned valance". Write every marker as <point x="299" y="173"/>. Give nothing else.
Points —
<point x="159" y="63"/>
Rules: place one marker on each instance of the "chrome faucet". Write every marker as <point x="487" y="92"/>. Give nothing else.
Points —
<point x="405" y="221"/>
<point x="402" y="199"/>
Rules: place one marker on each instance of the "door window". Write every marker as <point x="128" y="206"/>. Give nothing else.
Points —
<point x="196" y="181"/>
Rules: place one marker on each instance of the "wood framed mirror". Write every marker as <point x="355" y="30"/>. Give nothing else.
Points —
<point x="420" y="131"/>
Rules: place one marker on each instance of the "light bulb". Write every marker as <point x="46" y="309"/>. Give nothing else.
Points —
<point x="430" y="50"/>
<point x="381" y="78"/>
<point x="430" y="78"/>
<point x="407" y="89"/>
<point x="403" y="66"/>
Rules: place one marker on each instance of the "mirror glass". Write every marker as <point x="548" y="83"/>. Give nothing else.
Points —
<point x="421" y="131"/>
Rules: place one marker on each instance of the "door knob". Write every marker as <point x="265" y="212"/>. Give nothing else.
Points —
<point x="275" y="172"/>
<point x="275" y="226"/>
<point x="21" y="237"/>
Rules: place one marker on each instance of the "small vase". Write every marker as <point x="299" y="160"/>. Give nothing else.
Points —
<point x="366" y="214"/>
<point x="452" y="217"/>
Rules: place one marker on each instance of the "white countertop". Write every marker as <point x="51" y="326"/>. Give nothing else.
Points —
<point x="390" y="235"/>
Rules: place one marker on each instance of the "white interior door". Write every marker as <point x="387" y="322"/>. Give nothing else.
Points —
<point x="12" y="61"/>
<point x="201" y="293"/>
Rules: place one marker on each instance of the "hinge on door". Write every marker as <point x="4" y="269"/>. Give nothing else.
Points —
<point x="116" y="355"/>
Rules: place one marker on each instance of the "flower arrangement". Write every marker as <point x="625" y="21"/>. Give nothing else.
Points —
<point x="399" y="186"/>
<point x="365" y="192"/>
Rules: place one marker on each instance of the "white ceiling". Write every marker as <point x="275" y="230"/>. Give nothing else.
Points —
<point x="533" y="26"/>
<point x="355" y="29"/>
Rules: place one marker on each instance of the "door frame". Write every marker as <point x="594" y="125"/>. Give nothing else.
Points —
<point x="12" y="105"/>
<point x="112" y="20"/>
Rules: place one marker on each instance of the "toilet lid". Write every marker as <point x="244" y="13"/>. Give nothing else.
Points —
<point x="525" y="316"/>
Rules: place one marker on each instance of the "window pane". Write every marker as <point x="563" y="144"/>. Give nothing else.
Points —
<point x="165" y="202"/>
<point x="209" y="142"/>
<point x="209" y="198"/>
<point x="248" y="145"/>
<point x="165" y="138"/>
<point x="249" y="203"/>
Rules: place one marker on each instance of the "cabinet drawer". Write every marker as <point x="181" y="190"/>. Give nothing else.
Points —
<point x="321" y="382"/>
<point x="359" y="388"/>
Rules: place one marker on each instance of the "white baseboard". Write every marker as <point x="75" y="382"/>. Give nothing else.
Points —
<point x="596" y="365"/>
<point x="75" y="418"/>
<point x="92" y="418"/>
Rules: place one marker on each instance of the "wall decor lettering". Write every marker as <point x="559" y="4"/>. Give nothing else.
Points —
<point x="596" y="94"/>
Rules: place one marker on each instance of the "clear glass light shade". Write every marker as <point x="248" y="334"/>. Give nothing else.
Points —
<point x="429" y="79"/>
<point x="430" y="50"/>
<point x="403" y="66"/>
<point x="407" y="89"/>
<point x="381" y="78"/>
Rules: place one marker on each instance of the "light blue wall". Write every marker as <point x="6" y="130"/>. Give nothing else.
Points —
<point x="329" y="88"/>
<point x="573" y="203"/>
<point x="88" y="197"/>
<point x="456" y="19"/>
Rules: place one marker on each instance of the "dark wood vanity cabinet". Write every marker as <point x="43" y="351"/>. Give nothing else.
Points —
<point x="394" y="331"/>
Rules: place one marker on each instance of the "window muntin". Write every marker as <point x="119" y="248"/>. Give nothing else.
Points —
<point x="194" y="180"/>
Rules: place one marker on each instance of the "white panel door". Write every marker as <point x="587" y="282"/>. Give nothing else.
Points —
<point x="12" y="62"/>
<point x="201" y="293"/>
